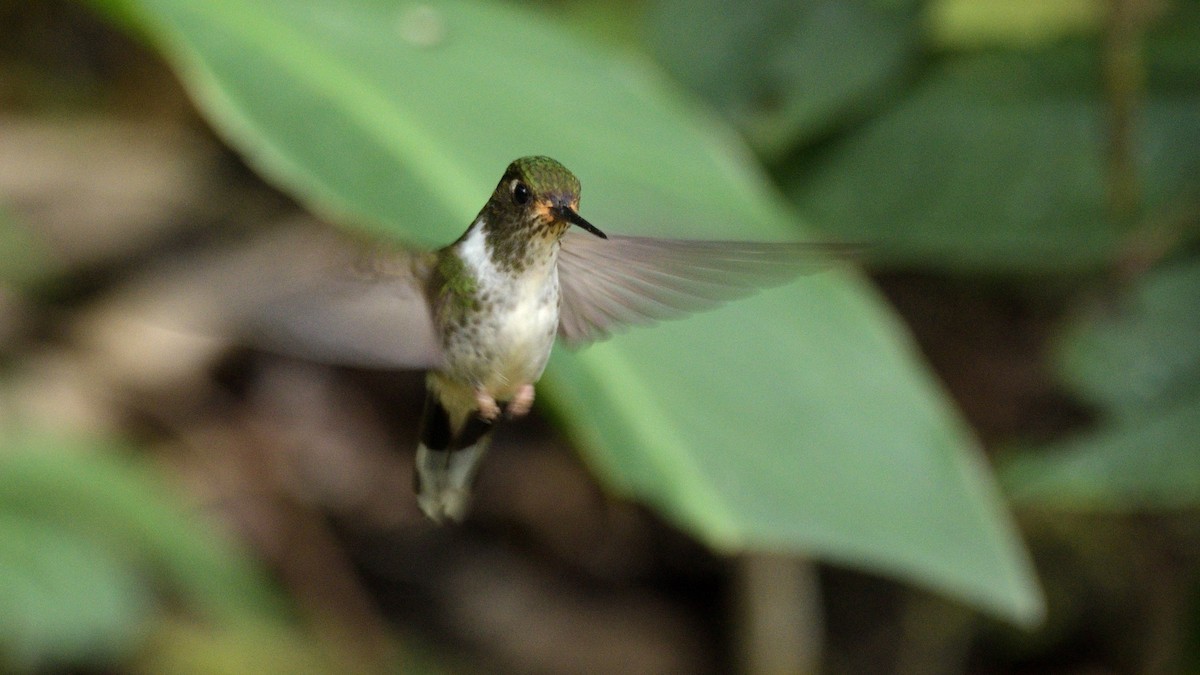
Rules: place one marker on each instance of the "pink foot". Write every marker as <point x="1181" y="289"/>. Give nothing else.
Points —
<point x="488" y="409"/>
<point x="521" y="404"/>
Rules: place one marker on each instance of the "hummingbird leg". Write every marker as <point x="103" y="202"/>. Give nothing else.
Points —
<point x="520" y="405"/>
<point x="488" y="408"/>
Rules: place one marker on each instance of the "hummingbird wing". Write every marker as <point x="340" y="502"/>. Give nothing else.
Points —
<point x="608" y="284"/>
<point x="351" y="306"/>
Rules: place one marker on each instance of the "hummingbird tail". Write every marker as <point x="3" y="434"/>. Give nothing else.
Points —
<point x="447" y="462"/>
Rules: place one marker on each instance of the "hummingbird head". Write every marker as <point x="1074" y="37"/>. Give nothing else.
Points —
<point x="538" y="195"/>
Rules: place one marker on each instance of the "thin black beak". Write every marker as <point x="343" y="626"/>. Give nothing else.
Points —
<point x="568" y="214"/>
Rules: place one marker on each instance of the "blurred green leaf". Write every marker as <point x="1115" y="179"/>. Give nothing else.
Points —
<point x="183" y="648"/>
<point x="973" y="24"/>
<point x="778" y="423"/>
<point x="1148" y="462"/>
<point x="792" y="438"/>
<point x="1138" y="360"/>
<point x="996" y="163"/>
<point x="187" y="648"/>
<point x="101" y="568"/>
<point x="1141" y="352"/>
<point x="121" y="14"/>
<point x="81" y="496"/>
<point x="64" y="598"/>
<point x="785" y="71"/>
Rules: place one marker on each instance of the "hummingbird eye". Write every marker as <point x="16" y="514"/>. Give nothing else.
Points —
<point x="520" y="192"/>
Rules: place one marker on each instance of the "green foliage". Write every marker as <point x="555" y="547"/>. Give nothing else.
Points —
<point x="800" y="420"/>
<point x="1001" y="157"/>
<point x="1139" y="363"/>
<point x="1142" y="351"/>
<point x="1149" y="462"/>
<point x="91" y="547"/>
<point x="996" y="162"/>
<point x="756" y="65"/>
<point x="64" y="599"/>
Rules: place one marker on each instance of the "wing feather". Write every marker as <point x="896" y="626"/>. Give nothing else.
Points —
<point x="608" y="284"/>
<point x="348" y="305"/>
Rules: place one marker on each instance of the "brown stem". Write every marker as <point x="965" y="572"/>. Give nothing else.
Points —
<point x="1124" y="75"/>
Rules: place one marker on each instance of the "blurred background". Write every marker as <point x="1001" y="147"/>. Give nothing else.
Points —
<point x="1026" y="174"/>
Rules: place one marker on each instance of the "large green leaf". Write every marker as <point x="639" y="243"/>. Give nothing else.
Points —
<point x="997" y="162"/>
<point x="798" y="421"/>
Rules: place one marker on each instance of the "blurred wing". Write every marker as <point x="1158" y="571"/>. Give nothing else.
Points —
<point x="349" y="307"/>
<point x="608" y="284"/>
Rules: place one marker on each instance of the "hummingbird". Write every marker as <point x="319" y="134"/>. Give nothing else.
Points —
<point x="482" y="314"/>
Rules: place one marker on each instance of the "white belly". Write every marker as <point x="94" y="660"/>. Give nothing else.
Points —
<point x="507" y="344"/>
<point x="523" y="339"/>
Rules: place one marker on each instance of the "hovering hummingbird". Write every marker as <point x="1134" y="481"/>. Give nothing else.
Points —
<point x="482" y="314"/>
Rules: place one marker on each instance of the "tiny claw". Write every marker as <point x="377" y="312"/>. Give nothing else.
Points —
<point x="522" y="403"/>
<point x="488" y="409"/>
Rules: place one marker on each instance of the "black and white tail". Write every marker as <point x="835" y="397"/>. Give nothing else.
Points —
<point x="447" y="460"/>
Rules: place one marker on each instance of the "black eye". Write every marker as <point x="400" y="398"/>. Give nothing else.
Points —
<point x="520" y="192"/>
